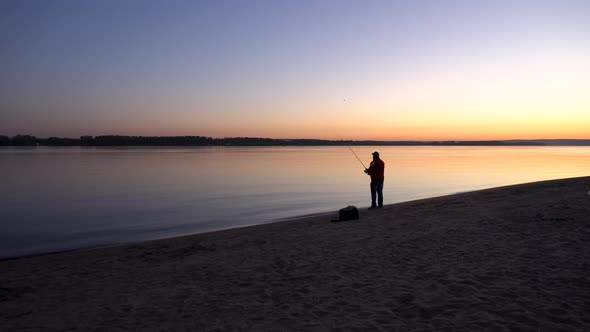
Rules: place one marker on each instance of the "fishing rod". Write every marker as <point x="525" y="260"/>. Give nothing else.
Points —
<point x="357" y="157"/>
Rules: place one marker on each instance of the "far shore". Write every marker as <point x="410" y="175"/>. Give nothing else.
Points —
<point x="507" y="258"/>
<point x="194" y="141"/>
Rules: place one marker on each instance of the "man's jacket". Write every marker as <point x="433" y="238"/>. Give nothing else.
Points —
<point x="376" y="170"/>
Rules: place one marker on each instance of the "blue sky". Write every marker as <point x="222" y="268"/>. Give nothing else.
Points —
<point x="285" y="68"/>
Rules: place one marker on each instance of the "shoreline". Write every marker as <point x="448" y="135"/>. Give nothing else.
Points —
<point x="509" y="257"/>
<point x="114" y="245"/>
<point x="285" y="219"/>
<point x="290" y="218"/>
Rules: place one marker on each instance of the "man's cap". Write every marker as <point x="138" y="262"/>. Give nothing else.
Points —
<point x="375" y="153"/>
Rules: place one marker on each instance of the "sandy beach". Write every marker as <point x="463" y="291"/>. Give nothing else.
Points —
<point x="508" y="259"/>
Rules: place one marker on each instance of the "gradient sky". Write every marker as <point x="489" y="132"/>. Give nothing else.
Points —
<point x="392" y="70"/>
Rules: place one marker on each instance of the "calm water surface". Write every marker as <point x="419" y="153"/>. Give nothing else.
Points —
<point x="64" y="198"/>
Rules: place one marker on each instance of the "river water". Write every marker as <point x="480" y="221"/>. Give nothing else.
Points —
<point x="54" y="199"/>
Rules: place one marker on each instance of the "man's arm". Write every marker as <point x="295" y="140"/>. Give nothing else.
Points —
<point x="368" y="170"/>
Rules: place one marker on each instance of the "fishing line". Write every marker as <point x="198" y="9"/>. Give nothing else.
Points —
<point x="348" y="146"/>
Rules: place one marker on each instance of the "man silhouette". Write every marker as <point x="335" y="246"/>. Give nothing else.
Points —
<point x="376" y="171"/>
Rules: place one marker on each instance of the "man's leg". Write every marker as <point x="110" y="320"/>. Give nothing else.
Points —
<point x="373" y="194"/>
<point x="380" y="192"/>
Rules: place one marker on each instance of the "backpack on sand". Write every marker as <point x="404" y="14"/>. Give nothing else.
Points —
<point x="348" y="213"/>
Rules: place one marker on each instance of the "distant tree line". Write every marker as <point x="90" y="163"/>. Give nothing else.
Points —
<point x="116" y="140"/>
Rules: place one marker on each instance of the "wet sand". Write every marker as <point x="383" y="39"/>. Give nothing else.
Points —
<point x="509" y="258"/>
